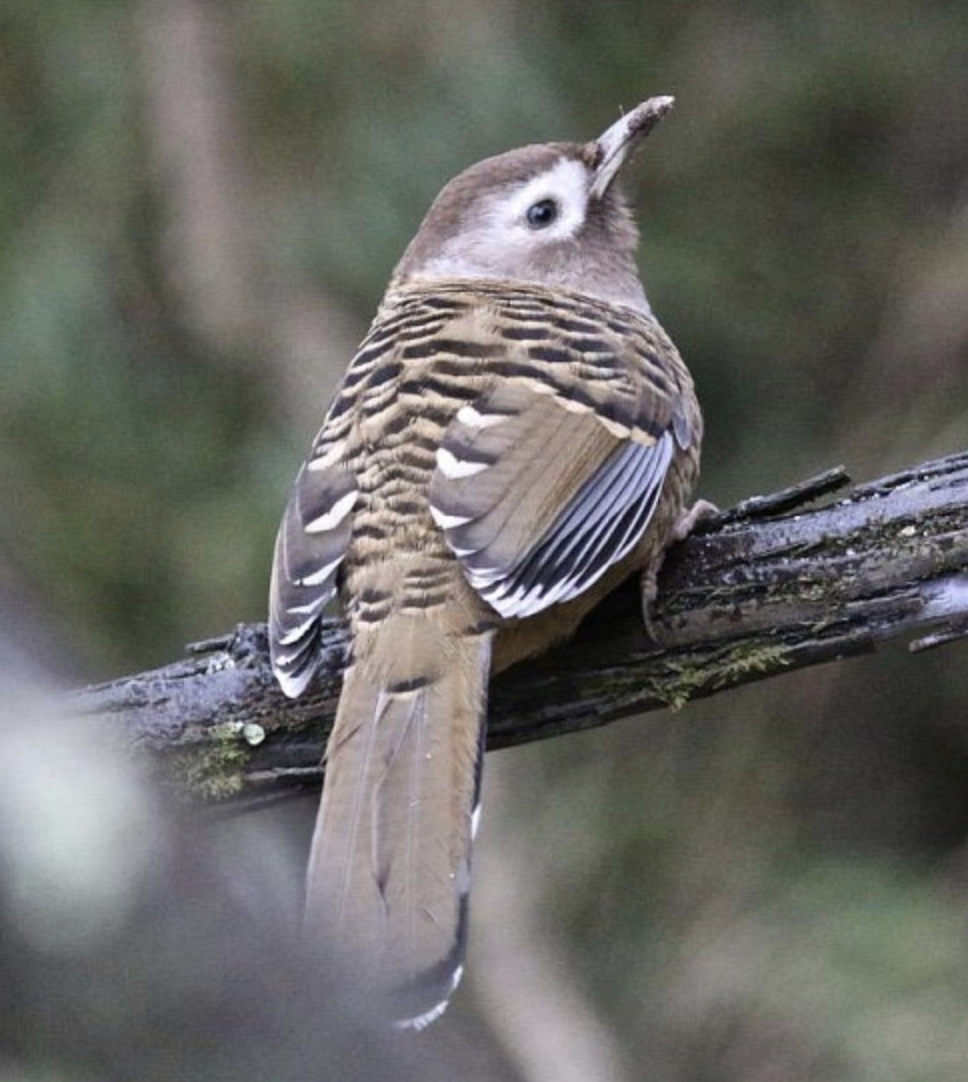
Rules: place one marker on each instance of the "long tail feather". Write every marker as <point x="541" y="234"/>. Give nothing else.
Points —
<point x="389" y="870"/>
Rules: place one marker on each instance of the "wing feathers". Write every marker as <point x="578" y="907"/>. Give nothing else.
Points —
<point x="552" y="496"/>
<point x="310" y="547"/>
<point x="584" y="544"/>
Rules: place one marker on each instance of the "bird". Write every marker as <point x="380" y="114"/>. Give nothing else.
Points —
<point x="515" y="436"/>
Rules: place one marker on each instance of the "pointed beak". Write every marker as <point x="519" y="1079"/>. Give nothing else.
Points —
<point x="610" y="152"/>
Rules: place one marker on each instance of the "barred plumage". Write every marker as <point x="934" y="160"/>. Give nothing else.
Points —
<point x="515" y="435"/>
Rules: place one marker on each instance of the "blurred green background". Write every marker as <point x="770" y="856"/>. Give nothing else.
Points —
<point x="200" y="203"/>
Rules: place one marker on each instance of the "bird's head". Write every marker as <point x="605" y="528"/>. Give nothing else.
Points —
<point x="549" y="214"/>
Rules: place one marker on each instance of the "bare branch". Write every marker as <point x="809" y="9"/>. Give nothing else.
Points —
<point x="767" y="587"/>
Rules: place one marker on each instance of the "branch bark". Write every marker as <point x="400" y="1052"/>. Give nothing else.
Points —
<point x="806" y="575"/>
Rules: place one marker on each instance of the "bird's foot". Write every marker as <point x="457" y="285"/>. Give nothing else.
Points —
<point x="683" y="527"/>
<point x="686" y="522"/>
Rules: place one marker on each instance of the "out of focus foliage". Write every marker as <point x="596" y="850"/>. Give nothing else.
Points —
<point x="199" y="206"/>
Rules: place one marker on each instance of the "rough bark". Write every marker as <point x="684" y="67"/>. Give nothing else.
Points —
<point x="804" y="576"/>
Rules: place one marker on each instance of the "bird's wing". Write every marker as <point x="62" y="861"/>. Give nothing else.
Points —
<point x="539" y="495"/>
<point x="310" y="546"/>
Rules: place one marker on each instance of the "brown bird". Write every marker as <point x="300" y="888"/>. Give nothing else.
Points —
<point x="515" y="436"/>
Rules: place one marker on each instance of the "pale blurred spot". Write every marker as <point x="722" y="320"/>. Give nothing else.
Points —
<point x="78" y="831"/>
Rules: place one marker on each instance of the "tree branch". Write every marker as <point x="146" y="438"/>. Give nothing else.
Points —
<point x="762" y="589"/>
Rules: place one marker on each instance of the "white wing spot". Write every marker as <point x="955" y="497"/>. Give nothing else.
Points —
<point x="292" y="684"/>
<point x="294" y="635"/>
<point x="448" y="522"/>
<point x="473" y="418"/>
<point x="317" y="578"/>
<point x="330" y="519"/>
<point x="454" y="468"/>
<point x="459" y="551"/>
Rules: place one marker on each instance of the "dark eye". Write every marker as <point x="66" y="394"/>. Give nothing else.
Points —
<point x="541" y="214"/>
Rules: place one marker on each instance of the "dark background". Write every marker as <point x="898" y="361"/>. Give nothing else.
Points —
<point x="200" y="203"/>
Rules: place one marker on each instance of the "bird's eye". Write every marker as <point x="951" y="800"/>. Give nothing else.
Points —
<point x="541" y="214"/>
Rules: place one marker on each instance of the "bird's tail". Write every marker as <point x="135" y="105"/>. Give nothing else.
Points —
<point x="389" y="870"/>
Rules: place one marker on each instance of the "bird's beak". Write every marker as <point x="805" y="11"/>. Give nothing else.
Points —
<point x="610" y="151"/>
